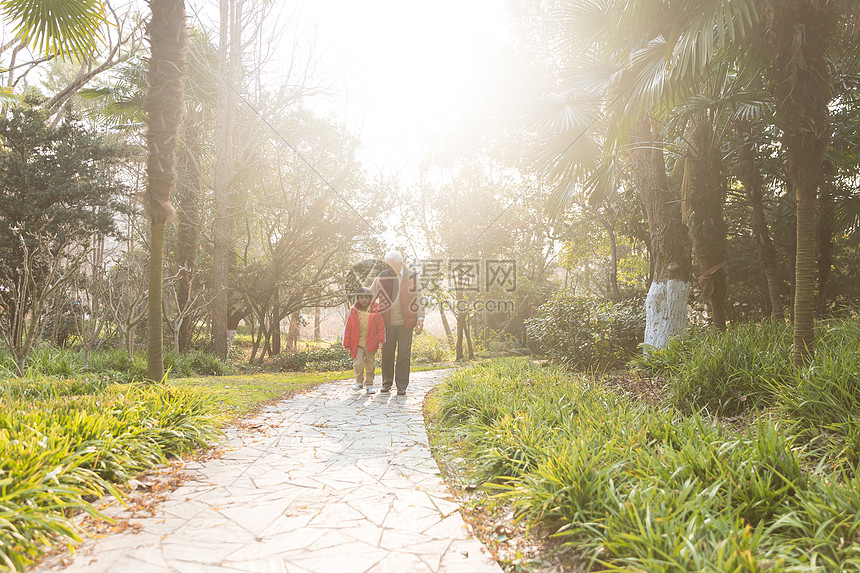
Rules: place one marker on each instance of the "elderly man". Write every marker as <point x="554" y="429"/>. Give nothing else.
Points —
<point x="401" y="303"/>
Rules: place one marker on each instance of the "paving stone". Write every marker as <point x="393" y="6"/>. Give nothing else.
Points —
<point x="401" y="563"/>
<point x="328" y="481"/>
<point x="271" y="565"/>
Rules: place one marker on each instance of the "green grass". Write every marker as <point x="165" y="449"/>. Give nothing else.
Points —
<point x="234" y="397"/>
<point x="749" y="365"/>
<point x="68" y="440"/>
<point x="724" y="372"/>
<point x="115" y="363"/>
<point x="748" y="369"/>
<point x="645" y="488"/>
<point x="65" y="442"/>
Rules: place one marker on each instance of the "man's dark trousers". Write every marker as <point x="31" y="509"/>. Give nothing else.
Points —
<point x="397" y="339"/>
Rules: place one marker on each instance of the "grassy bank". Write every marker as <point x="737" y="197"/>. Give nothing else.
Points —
<point x="747" y="370"/>
<point x="64" y="443"/>
<point x="648" y="488"/>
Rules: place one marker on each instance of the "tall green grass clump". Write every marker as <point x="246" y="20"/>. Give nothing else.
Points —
<point x="64" y="443"/>
<point x="724" y="372"/>
<point x="749" y="365"/>
<point x="824" y="399"/>
<point x="644" y="488"/>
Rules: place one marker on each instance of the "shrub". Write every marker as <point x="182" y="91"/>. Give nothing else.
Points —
<point x="205" y="364"/>
<point x="333" y="359"/>
<point x="584" y="332"/>
<point x="427" y="348"/>
<point x="289" y="362"/>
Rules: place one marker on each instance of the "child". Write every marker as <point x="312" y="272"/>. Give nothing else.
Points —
<point x="363" y="335"/>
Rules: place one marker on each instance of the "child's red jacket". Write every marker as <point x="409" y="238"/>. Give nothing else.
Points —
<point x="375" y="330"/>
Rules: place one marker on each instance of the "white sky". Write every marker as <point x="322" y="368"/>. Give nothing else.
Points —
<point x="407" y="69"/>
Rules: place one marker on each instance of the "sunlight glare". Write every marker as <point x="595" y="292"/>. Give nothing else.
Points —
<point x="412" y="68"/>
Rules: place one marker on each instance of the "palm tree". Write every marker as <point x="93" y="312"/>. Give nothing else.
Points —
<point x="797" y="33"/>
<point x="656" y="53"/>
<point x="121" y="105"/>
<point x="643" y="59"/>
<point x="164" y="109"/>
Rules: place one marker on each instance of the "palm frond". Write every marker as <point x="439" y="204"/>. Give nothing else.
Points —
<point x="567" y="193"/>
<point x="56" y="27"/>
<point x="579" y="24"/>
<point x="847" y="215"/>
<point x="601" y="184"/>
<point x="8" y="96"/>
<point x="562" y="112"/>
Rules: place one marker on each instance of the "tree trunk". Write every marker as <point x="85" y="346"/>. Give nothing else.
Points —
<point x="666" y="304"/>
<point x="826" y="216"/>
<point x="707" y="224"/>
<point x="750" y="176"/>
<point x="256" y="336"/>
<point x="276" y="329"/>
<point x="797" y="32"/>
<point x="458" y="350"/>
<point x="791" y="249"/>
<point x="448" y="334"/>
<point x="164" y="107"/>
<point x="294" y="333"/>
<point x="228" y="55"/>
<point x="613" y="270"/>
<point x="318" y="324"/>
<point x="154" y="318"/>
<point x="468" y="332"/>
<point x="188" y="230"/>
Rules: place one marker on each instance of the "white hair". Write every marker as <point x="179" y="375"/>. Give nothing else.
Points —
<point x="393" y="257"/>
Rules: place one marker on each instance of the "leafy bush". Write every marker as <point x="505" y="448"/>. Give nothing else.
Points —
<point x="427" y="348"/>
<point x="333" y="359"/>
<point x="205" y="364"/>
<point x="288" y="362"/>
<point x="66" y="442"/>
<point x="584" y="332"/>
<point x="649" y="489"/>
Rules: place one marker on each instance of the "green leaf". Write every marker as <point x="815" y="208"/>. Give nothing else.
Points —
<point x="65" y="28"/>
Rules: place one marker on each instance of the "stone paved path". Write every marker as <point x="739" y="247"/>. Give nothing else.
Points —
<point x="333" y="481"/>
